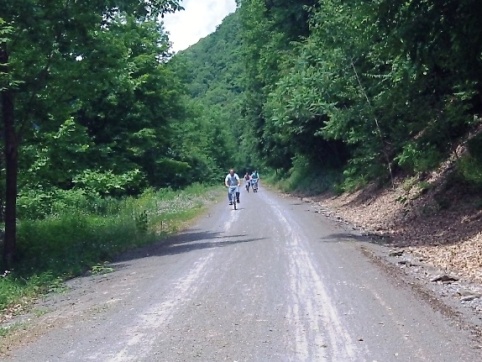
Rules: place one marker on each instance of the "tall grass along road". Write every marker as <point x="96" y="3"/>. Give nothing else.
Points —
<point x="272" y="281"/>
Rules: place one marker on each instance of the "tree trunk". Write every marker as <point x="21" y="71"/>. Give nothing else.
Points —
<point x="11" y="166"/>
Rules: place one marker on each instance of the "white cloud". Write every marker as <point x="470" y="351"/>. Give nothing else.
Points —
<point x="198" y="20"/>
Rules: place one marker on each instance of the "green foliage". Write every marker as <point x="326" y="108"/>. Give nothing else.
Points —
<point x="305" y="179"/>
<point x="55" y="157"/>
<point x="424" y="186"/>
<point x="95" y="98"/>
<point x="470" y="170"/>
<point x="102" y="114"/>
<point x="419" y="158"/>
<point x="35" y="204"/>
<point x="102" y="268"/>
<point x="353" y="179"/>
<point x="359" y="74"/>
<point x="142" y="223"/>
<point x="17" y="291"/>
<point x="267" y="33"/>
<point x="82" y="230"/>
<point x="209" y="139"/>
<point x="106" y="183"/>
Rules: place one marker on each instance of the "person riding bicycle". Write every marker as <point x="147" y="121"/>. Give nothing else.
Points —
<point x="247" y="179"/>
<point x="254" y="178"/>
<point x="232" y="180"/>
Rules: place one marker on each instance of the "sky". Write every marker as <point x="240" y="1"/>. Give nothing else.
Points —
<point x="198" y="20"/>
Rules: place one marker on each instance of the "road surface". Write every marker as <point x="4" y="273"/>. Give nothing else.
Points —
<point x="272" y="281"/>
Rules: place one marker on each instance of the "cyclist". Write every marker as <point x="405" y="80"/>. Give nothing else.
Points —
<point x="247" y="180"/>
<point x="231" y="180"/>
<point x="254" y="179"/>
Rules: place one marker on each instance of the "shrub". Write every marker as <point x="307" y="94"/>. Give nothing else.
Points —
<point x="419" y="158"/>
<point x="470" y="169"/>
<point x="73" y="230"/>
<point x="304" y="177"/>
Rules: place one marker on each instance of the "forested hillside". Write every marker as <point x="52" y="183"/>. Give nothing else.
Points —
<point x="213" y="71"/>
<point x="375" y="87"/>
<point x="348" y="92"/>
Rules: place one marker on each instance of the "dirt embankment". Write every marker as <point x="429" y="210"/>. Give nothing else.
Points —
<point x="434" y="217"/>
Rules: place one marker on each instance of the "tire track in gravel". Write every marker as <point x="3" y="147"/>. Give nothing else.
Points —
<point x="309" y="297"/>
<point x="140" y="337"/>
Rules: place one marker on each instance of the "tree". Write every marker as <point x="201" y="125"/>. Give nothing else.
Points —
<point x="269" y="29"/>
<point x="46" y="41"/>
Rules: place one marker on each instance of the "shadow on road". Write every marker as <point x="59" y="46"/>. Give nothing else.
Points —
<point x="334" y="238"/>
<point x="186" y="242"/>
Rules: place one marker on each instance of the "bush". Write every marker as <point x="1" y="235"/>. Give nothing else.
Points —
<point x="416" y="158"/>
<point x="105" y="183"/>
<point x="305" y="178"/>
<point x="70" y="244"/>
<point x="73" y="231"/>
<point x="470" y="169"/>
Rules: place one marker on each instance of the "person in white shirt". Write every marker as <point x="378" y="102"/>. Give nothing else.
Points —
<point x="232" y="180"/>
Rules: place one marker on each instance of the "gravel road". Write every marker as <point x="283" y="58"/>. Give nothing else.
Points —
<point x="272" y="281"/>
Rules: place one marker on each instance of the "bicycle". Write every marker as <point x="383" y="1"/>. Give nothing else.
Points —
<point x="232" y="195"/>
<point x="254" y="185"/>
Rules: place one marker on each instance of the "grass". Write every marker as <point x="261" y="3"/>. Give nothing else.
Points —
<point x="83" y="234"/>
<point x="16" y="292"/>
<point x="4" y="331"/>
